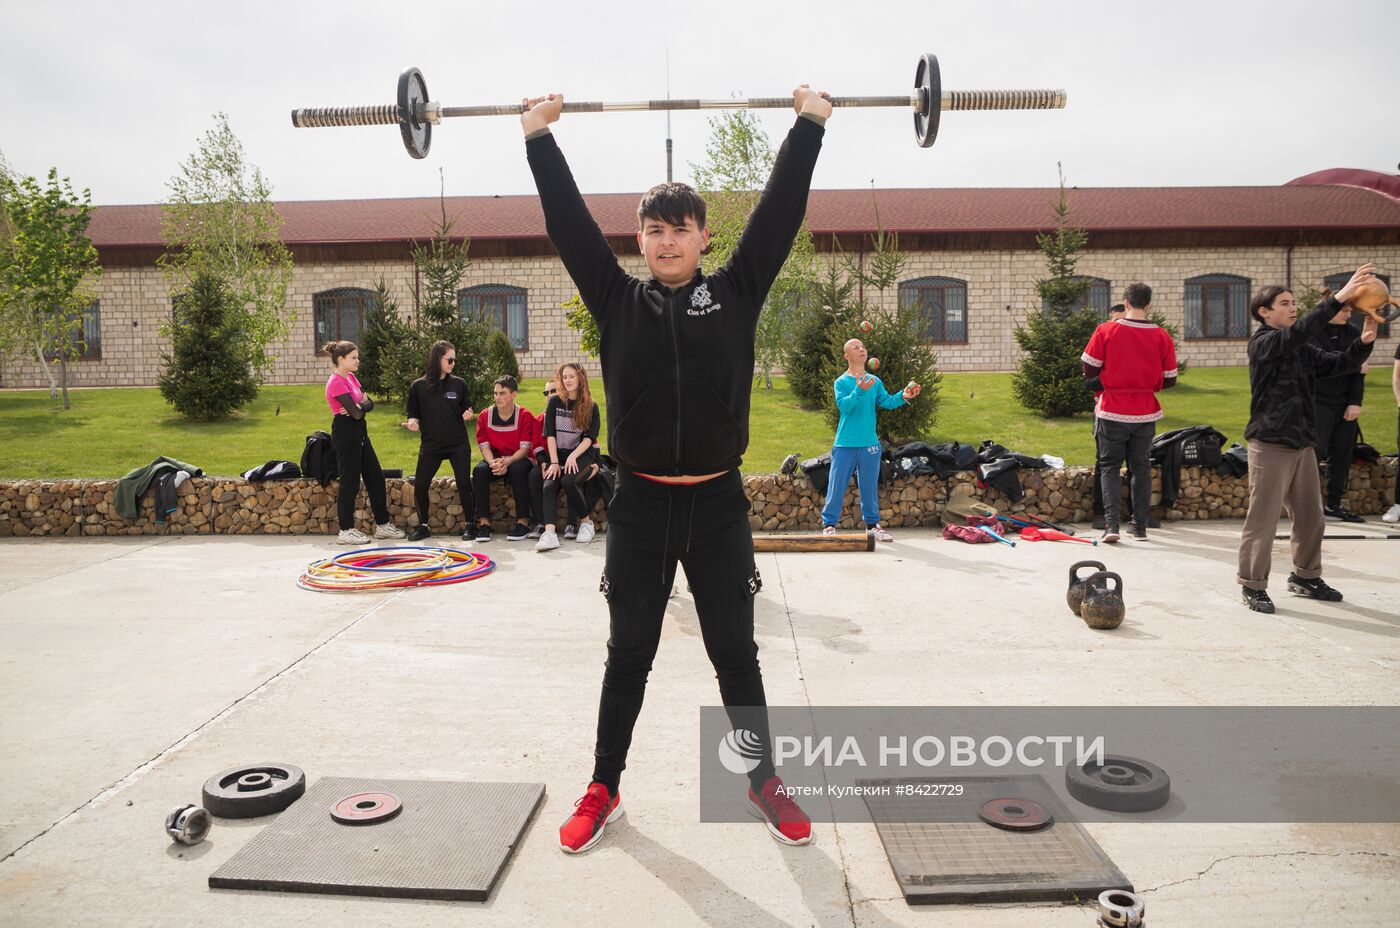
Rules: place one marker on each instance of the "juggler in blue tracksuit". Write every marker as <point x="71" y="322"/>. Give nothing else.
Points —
<point x="857" y="449"/>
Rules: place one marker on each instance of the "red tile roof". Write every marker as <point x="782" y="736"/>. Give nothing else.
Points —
<point x="1099" y="209"/>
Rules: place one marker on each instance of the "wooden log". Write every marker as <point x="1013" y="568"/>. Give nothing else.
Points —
<point x="841" y="541"/>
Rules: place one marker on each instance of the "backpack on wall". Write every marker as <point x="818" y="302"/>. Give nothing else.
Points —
<point x="318" y="458"/>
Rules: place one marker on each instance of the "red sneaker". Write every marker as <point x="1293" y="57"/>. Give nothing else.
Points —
<point x="594" y="810"/>
<point x="786" y="822"/>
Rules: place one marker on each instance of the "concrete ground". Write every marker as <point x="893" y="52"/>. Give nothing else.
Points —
<point x="131" y="670"/>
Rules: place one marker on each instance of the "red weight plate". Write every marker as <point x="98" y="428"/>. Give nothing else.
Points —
<point x="1014" y="814"/>
<point x="366" y="808"/>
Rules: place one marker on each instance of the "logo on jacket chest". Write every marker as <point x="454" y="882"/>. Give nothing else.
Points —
<point x="700" y="302"/>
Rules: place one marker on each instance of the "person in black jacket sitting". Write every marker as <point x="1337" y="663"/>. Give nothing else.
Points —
<point x="677" y="354"/>
<point x="1284" y="363"/>
<point x="1336" y="407"/>
<point x="438" y="410"/>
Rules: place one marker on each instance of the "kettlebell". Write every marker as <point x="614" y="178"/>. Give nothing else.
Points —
<point x="1103" y="607"/>
<point x="1075" y="595"/>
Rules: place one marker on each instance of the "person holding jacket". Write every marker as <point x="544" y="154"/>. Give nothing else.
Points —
<point x="354" y="455"/>
<point x="677" y="354"/>
<point x="438" y="410"/>
<point x="857" y="447"/>
<point x="1284" y="364"/>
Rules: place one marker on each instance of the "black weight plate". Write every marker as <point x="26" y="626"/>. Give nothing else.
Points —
<point x="1119" y="784"/>
<point x="263" y="790"/>
<point x="417" y="131"/>
<point x="928" y="84"/>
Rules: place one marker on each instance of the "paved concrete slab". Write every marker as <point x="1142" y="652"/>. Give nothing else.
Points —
<point x="133" y="669"/>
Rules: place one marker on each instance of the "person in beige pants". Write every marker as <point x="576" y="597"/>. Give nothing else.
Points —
<point x="1284" y="362"/>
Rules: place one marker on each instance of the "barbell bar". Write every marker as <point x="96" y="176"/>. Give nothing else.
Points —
<point x="415" y="113"/>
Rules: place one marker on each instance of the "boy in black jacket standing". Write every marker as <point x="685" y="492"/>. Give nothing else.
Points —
<point x="1284" y="363"/>
<point x="677" y="353"/>
<point x="1336" y="407"/>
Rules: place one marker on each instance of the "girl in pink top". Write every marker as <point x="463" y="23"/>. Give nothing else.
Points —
<point x="354" y="455"/>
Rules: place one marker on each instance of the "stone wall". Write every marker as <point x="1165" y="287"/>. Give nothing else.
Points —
<point x="232" y="506"/>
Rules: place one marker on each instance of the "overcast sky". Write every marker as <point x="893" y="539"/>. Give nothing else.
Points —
<point x="117" y="94"/>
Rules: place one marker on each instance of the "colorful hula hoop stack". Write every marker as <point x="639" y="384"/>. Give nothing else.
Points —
<point x="369" y="569"/>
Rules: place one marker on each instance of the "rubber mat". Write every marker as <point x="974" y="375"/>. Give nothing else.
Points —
<point x="966" y="860"/>
<point x="450" y="841"/>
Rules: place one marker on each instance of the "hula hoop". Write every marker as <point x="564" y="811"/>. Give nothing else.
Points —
<point x="397" y="567"/>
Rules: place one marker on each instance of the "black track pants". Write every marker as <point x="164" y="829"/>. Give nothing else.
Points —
<point x="653" y="527"/>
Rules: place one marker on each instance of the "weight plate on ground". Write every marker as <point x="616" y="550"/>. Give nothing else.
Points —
<point x="253" y="790"/>
<point x="188" y="824"/>
<point x="1014" y="814"/>
<point x="366" y="808"/>
<point x="1119" y="784"/>
<point x="928" y="85"/>
<point x="413" y="123"/>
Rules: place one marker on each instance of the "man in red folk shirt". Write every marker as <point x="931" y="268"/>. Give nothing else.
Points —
<point x="1127" y="362"/>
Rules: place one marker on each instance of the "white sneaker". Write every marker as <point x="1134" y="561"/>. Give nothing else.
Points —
<point x="388" y="530"/>
<point x="352" y="536"/>
<point x="548" y="541"/>
<point x="881" y="533"/>
<point x="585" y="533"/>
<point x="1392" y="514"/>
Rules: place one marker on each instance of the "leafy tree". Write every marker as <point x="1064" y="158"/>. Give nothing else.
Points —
<point x="442" y="263"/>
<point x="578" y="318"/>
<point x="205" y="375"/>
<point x="827" y="311"/>
<point x="500" y="355"/>
<point x="1049" y="377"/>
<point x="739" y="158"/>
<point x="220" y="222"/>
<point x="47" y="263"/>
<point x="385" y="336"/>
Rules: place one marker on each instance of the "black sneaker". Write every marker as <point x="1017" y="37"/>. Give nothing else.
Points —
<point x="518" y="532"/>
<point x="1139" y="532"/>
<point x="537" y="531"/>
<point x="1313" y="589"/>
<point x="1340" y="513"/>
<point x="1154" y="522"/>
<point x="1110" y="534"/>
<point x="483" y="533"/>
<point x="571" y="531"/>
<point x="1098" y="521"/>
<point x="1258" y="600"/>
<point x="420" y="531"/>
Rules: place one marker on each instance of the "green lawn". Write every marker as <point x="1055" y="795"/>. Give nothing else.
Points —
<point x="108" y="432"/>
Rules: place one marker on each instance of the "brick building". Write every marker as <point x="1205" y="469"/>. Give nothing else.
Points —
<point x="972" y="264"/>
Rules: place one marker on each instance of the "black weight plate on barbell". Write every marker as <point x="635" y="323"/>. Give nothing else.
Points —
<point x="265" y="789"/>
<point x="1119" y="784"/>
<point x="928" y="84"/>
<point x="417" y="131"/>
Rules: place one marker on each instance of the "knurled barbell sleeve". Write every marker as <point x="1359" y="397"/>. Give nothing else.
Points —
<point x="314" y="117"/>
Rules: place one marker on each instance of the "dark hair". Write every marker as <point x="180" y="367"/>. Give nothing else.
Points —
<point x="509" y="382"/>
<point x="1138" y="295"/>
<point x="673" y="203"/>
<point x="338" y="350"/>
<point x="433" y="372"/>
<point x="1264" y="298"/>
<point x="1116" y="308"/>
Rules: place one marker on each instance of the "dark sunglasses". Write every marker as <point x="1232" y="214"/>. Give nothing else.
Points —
<point x="450" y="360"/>
<point x="550" y="392"/>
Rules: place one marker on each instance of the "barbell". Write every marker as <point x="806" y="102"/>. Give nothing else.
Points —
<point x="415" y="113"/>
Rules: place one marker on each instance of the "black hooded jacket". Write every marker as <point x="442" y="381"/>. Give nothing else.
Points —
<point x="678" y="364"/>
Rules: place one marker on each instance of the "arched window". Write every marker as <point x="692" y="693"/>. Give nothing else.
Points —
<point x="1335" y="282"/>
<point x="1098" y="297"/>
<point x="503" y="306"/>
<point x="340" y="314"/>
<point x="942" y="302"/>
<point x="1217" y="306"/>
